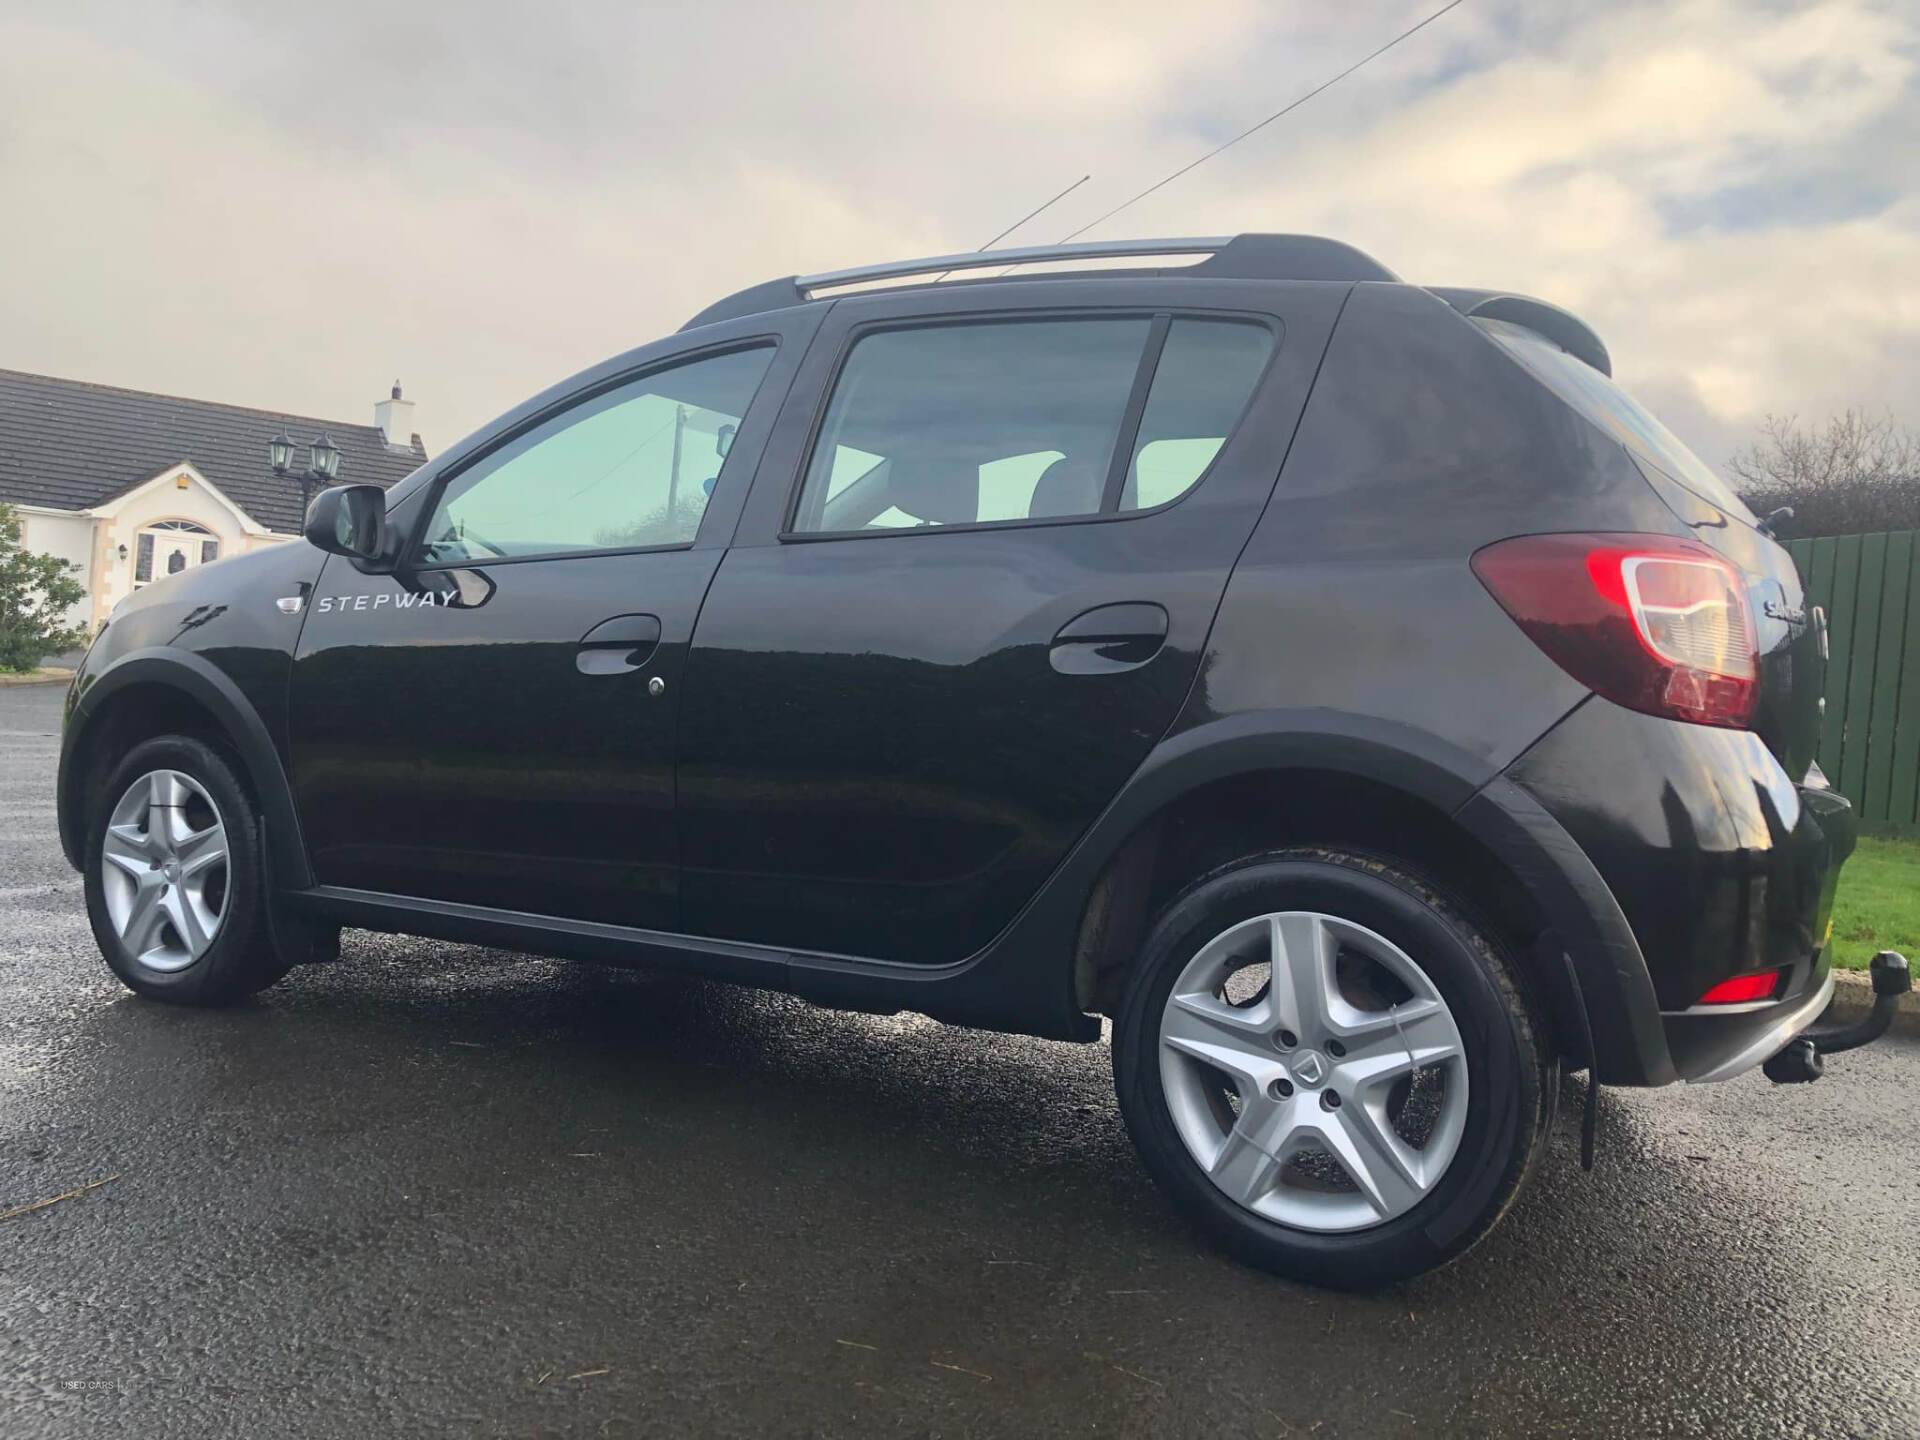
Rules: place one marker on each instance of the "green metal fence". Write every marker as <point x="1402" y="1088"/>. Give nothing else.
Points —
<point x="1869" y="586"/>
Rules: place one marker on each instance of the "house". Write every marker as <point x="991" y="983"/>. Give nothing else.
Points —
<point x="131" y="486"/>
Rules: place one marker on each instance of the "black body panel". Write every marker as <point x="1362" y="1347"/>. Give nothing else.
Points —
<point x="880" y="753"/>
<point x="506" y="770"/>
<point x="1422" y="443"/>
<point x="1426" y="441"/>
<point x="877" y="757"/>
<point x="530" y="763"/>
<point x="216" y="635"/>
<point x="1715" y="858"/>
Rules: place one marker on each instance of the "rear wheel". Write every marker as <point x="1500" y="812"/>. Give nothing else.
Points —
<point x="174" y="878"/>
<point x="1331" y="1069"/>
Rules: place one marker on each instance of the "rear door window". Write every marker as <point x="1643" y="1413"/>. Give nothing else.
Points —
<point x="1012" y="421"/>
<point x="1205" y="376"/>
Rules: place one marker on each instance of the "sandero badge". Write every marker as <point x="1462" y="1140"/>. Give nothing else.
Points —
<point x="1335" y="689"/>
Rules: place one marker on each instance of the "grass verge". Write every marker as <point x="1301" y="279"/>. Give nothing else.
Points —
<point x="1878" y="904"/>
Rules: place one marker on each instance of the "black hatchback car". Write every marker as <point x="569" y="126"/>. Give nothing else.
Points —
<point x="1338" y="684"/>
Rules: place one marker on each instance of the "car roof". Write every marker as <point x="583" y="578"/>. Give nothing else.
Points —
<point x="1252" y="256"/>
<point x="1233" y="257"/>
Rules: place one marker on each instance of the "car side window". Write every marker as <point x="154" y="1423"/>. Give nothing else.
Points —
<point x="1000" y="421"/>
<point x="1205" y="377"/>
<point x="955" y="424"/>
<point x="627" y="469"/>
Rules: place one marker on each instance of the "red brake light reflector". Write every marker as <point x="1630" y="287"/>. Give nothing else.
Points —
<point x="1743" y="988"/>
<point x="1651" y="622"/>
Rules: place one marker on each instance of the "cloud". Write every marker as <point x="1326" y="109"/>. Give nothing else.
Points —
<point x="1558" y="169"/>
<point x="288" y="205"/>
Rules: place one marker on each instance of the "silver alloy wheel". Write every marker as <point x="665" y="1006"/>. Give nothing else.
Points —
<point x="165" y="877"/>
<point x="1313" y="1071"/>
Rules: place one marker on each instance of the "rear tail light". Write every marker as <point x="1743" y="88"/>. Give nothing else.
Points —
<point x="1651" y="622"/>
<point x="1743" y="988"/>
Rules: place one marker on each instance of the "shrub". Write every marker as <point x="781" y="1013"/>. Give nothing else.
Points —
<point x="35" y="592"/>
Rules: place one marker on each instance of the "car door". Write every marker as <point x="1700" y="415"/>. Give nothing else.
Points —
<point x="968" y="595"/>
<point x="493" y="723"/>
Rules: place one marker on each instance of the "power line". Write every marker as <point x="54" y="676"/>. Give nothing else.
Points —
<point x="1021" y="221"/>
<point x="1048" y="206"/>
<point x="1318" y="89"/>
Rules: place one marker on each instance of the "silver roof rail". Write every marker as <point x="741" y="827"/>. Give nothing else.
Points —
<point x="1019" y="255"/>
<point x="1224" y="257"/>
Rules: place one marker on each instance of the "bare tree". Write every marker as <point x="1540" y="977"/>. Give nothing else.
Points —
<point x="1856" y="474"/>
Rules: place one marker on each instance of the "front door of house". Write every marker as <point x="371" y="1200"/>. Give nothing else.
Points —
<point x="170" y="546"/>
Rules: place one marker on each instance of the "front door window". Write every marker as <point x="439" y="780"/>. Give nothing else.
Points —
<point x="629" y="469"/>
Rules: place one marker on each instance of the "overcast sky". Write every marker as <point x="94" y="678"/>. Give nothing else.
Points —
<point x="290" y="204"/>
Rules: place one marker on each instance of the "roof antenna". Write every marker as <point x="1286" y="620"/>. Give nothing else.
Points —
<point x="1283" y="110"/>
<point x="1021" y="221"/>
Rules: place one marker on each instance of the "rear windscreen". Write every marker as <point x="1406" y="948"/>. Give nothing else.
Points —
<point x="1614" y="411"/>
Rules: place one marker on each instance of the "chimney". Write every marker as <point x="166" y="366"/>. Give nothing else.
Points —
<point x="394" y="416"/>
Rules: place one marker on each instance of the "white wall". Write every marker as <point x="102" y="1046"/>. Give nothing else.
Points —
<point x="93" y="540"/>
<point x="165" y="499"/>
<point x="70" y="536"/>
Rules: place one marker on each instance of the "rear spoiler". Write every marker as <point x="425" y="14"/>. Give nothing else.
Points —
<point x="1569" y="332"/>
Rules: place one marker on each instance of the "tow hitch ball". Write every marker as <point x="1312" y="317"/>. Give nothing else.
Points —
<point x="1800" y="1061"/>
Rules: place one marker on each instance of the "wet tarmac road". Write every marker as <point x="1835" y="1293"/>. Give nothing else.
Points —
<point x="445" y="1190"/>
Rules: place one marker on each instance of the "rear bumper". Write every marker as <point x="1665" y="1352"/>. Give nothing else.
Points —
<point x="1720" y="864"/>
<point x="1714" y="1051"/>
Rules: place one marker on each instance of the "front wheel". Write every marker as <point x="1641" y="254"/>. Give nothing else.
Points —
<point x="174" y="878"/>
<point x="1330" y="1069"/>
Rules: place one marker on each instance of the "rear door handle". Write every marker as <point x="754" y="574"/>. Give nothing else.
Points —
<point x="618" y="646"/>
<point x="1109" y="638"/>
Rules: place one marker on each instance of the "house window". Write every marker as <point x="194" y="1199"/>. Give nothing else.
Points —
<point x="143" y="560"/>
<point x="209" y="551"/>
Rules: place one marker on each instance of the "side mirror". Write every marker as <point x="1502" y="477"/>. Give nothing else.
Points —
<point x="348" y="520"/>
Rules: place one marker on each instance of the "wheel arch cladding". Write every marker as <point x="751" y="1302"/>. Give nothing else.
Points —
<point x="163" y="691"/>
<point x="1260" y="787"/>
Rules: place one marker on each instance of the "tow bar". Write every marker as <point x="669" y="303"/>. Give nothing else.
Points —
<point x="1800" y="1061"/>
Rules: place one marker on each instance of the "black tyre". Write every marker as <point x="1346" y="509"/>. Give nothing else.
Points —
<point x="175" y="878"/>
<point x="1330" y="1069"/>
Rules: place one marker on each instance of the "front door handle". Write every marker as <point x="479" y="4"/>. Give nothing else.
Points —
<point x="618" y="646"/>
<point x="1109" y="638"/>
